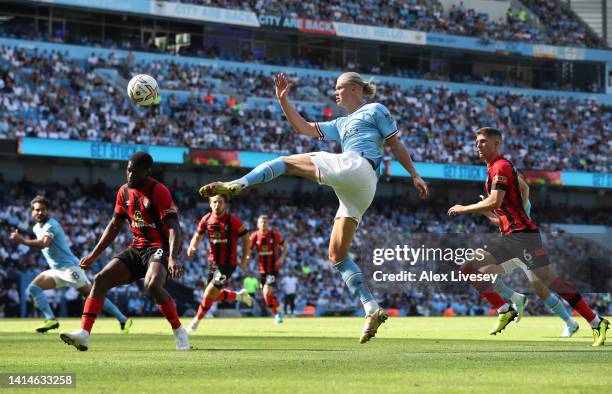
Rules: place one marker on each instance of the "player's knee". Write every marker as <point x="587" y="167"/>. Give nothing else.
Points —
<point x="336" y="256"/>
<point x="31" y="287"/>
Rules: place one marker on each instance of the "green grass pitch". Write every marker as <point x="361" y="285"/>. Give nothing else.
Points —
<point x="316" y="356"/>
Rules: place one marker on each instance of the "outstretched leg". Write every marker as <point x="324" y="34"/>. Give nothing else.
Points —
<point x="296" y="165"/>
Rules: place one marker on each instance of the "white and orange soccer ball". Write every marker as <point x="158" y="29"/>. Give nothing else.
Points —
<point x="143" y="90"/>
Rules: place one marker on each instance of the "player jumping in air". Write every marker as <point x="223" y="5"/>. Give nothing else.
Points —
<point x="63" y="269"/>
<point x="353" y="174"/>
<point x="267" y="242"/>
<point x="551" y="300"/>
<point x="152" y="255"/>
<point x="520" y="237"/>
<point x="223" y="229"/>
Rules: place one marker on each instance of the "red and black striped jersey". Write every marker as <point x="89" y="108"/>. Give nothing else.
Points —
<point x="223" y="233"/>
<point x="501" y="175"/>
<point x="147" y="209"/>
<point x="267" y="245"/>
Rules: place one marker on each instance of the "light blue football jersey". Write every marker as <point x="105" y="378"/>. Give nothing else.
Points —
<point x="58" y="253"/>
<point x="363" y="131"/>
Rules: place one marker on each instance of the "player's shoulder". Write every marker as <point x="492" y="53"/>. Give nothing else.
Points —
<point x="376" y="107"/>
<point x="158" y="187"/>
<point x="122" y="189"/>
<point x="206" y="216"/>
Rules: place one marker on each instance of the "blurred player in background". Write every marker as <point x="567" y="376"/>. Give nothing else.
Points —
<point x="63" y="269"/>
<point x="289" y="283"/>
<point x="224" y="229"/>
<point x="520" y="237"/>
<point x="267" y="242"/>
<point x="152" y="255"/>
<point x="551" y="300"/>
<point x="353" y="174"/>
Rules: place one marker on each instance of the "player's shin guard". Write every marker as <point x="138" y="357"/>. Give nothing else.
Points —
<point x="353" y="277"/>
<point x="169" y="311"/>
<point x="264" y="172"/>
<point x="226" y="295"/>
<point x="40" y="299"/>
<point x="554" y="303"/>
<point x="485" y="289"/>
<point x="272" y="302"/>
<point x="90" y="313"/>
<point x="574" y="298"/>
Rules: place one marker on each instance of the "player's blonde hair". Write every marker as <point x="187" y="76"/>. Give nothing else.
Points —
<point x="369" y="89"/>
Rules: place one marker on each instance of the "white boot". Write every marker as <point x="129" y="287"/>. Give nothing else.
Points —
<point x="182" y="340"/>
<point x="79" y="339"/>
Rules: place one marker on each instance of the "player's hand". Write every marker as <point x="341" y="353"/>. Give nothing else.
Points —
<point x="282" y="86"/>
<point x="87" y="261"/>
<point x="175" y="268"/>
<point x="191" y="251"/>
<point x="421" y="185"/>
<point x="278" y="264"/>
<point x="16" y="237"/>
<point x="456" y="210"/>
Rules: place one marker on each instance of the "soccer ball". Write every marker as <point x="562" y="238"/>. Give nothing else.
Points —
<point x="143" y="90"/>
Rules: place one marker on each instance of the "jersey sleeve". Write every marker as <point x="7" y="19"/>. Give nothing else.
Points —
<point x="202" y="224"/>
<point x="385" y="122"/>
<point x="119" y="204"/>
<point x="501" y="175"/>
<point x="163" y="202"/>
<point x="328" y="131"/>
<point x="238" y="225"/>
<point x="252" y="240"/>
<point x="279" y="238"/>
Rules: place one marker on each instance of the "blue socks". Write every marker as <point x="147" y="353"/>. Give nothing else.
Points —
<point x="554" y="303"/>
<point x="353" y="277"/>
<point x="41" y="301"/>
<point x="264" y="172"/>
<point x="507" y="292"/>
<point x="112" y="309"/>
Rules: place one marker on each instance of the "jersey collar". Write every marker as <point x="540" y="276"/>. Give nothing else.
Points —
<point x="499" y="157"/>
<point x="356" y="109"/>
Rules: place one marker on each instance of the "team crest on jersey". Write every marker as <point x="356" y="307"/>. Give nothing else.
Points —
<point x="139" y="221"/>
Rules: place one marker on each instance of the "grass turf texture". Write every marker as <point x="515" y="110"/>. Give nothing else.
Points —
<point x="316" y="355"/>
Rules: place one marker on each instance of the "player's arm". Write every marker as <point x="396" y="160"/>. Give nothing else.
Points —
<point x="108" y="236"/>
<point x="194" y="243"/>
<point x="32" y="243"/>
<point x="490" y="215"/>
<point x="174" y="239"/>
<point x="524" y="190"/>
<point x="283" y="255"/>
<point x="246" y="243"/>
<point x="297" y="121"/>
<point x="252" y="241"/>
<point x="403" y="156"/>
<point x="493" y="201"/>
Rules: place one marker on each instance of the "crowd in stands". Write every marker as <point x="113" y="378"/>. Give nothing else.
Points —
<point x="84" y="211"/>
<point x="48" y="95"/>
<point x="558" y="25"/>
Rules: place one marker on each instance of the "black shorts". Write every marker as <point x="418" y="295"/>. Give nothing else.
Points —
<point x="526" y="246"/>
<point x="267" y="279"/>
<point x="137" y="260"/>
<point x="219" y="274"/>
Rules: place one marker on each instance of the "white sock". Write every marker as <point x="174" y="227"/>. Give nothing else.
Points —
<point x="595" y="322"/>
<point x="370" y="307"/>
<point x="504" y="308"/>
<point x="516" y="297"/>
